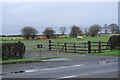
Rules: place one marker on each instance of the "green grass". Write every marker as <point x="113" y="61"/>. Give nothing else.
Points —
<point x="85" y="39"/>
<point x="10" y="37"/>
<point x="93" y="39"/>
<point x="35" y="42"/>
<point x="60" y="40"/>
<point x="38" y="59"/>
<point x="110" y="53"/>
<point x="31" y="44"/>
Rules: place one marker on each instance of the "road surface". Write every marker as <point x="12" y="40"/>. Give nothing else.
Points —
<point x="81" y="66"/>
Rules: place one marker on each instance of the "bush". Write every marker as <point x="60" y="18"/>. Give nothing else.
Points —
<point x="114" y="42"/>
<point x="12" y="51"/>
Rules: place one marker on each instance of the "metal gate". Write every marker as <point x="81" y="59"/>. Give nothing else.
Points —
<point x="34" y="50"/>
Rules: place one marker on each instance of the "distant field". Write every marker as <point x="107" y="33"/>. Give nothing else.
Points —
<point x="85" y="39"/>
<point x="10" y="37"/>
<point x="59" y="40"/>
<point x="31" y="44"/>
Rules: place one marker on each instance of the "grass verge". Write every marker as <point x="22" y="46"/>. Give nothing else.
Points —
<point x="111" y="53"/>
<point x="16" y="61"/>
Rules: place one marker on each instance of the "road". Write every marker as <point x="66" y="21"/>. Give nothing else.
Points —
<point x="80" y="66"/>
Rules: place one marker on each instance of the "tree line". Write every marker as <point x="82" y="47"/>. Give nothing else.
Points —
<point x="30" y="32"/>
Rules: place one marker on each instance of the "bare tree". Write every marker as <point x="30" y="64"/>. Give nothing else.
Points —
<point x="34" y="32"/>
<point x="114" y="28"/>
<point x="86" y="31"/>
<point x="75" y="31"/>
<point x="28" y="31"/>
<point x="63" y="30"/>
<point x="94" y="29"/>
<point x="105" y="28"/>
<point x="49" y="32"/>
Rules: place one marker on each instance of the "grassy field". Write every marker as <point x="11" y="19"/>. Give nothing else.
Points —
<point x="85" y="39"/>
<point x="31" y="44"/>
<point x="59" y="40"/>
<point x="11" y="37"/>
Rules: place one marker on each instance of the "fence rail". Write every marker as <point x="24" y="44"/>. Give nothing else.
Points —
<point x="81" y="47"/>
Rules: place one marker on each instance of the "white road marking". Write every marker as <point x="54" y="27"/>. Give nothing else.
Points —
<point x="101" y="62"/>
<point x="63" y="67"/>
<point x="49" y="69"/>
<point x="67" y="77"/>
<point x="46" y="69"/>
<point x="71" y="66"/>
<point x="28" y="71"/>
<point x="77" y="65"/>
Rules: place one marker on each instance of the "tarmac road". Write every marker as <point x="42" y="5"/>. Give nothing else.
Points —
<point x="80" y="66"/>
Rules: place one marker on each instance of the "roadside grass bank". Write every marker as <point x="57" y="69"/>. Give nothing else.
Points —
<point x="111" y="53"/>
<point x="18" y="61"/>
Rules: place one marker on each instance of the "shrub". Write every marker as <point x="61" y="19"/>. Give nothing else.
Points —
<point x="12" y="50"/>
<point x="114" y="42"/>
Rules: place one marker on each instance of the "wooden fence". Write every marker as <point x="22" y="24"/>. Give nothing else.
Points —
<point x="79" y="47"/>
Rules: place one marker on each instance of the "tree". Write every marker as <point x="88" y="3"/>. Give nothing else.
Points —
<point x="34" y="32"/>
<point x="49" y="32"/>
<point x="28" y="31"/>
<point x="86" y="31"/>
<point x="114" y="28"/>
<point x="105" y="28"/>
<point x="63" y="30"/>
<point x="75" y="31"/>
<point x="94" y="29"/>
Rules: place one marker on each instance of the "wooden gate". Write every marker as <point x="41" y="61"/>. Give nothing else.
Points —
<point x="79" y="46"/>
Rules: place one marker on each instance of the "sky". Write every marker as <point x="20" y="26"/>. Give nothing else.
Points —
<point x="59" y="0"/>
<point x="17" y="15"/>
<point x="119" y="14"/>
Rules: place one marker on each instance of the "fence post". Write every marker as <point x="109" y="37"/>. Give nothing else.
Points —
<point x="66" y="47"/>
<point x="74" y="48"/>
<point x="58" y="46"/>
<point x="89" y="47"/>
<point x="99" y="48"/>
<point x="85" y="47"/>
<point x="49" y="44"/>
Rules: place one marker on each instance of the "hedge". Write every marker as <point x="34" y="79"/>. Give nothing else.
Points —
<point x="114" y="42"/>
<point x="13" y="50"/>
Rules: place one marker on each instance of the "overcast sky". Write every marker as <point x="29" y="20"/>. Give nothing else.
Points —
<point x="40" y="15"/>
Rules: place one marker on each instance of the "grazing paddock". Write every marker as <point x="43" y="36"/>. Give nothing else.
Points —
<point x="58" y="40"/>
<point x="79" y="37"/>
<point x="31" y="44"/>
<point x="84" y="39"/>
<point x="11" y="38"/>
